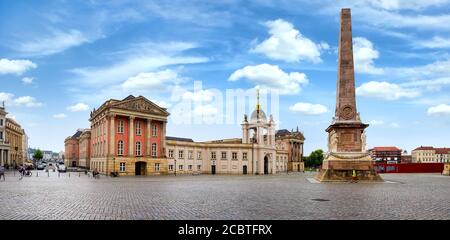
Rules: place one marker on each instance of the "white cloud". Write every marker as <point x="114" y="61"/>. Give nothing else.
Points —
<point x="271" y="76"/>
<point x="376" y="122"/>
<point x="13" y="117"/>
<point x="151" y="80"/>
<point x="78" y="107"/>
<point x="26" y="101"/>
<point x="58" y="41"/>
<point x="405" y="4"/>
<point x="205" y="110"/>
<point x="394" y="125"/>
<point x="364" y="55"/>
<point x="308" y="108"/>
<point x="27" y="80"/>
<point x="60" y="115"/>
<point x="198" y="96"/>
<point x="5" y="97"/>
<point x="385" y="91"/>
<point x="432" y="84"/>
<point x="435" y="42"/>
<point x="287" y="44"/>
<point x="438" y="110"/>
<point x="17" y="67"/>
<point x="139" y="58"/>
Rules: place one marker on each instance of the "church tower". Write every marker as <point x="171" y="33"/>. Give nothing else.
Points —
<point x="260" y="132"/>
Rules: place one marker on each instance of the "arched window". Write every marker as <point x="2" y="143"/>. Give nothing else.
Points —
<point x="120" y="148"/>
<point x="138" y="148"/>
<point x="153" y="149"/>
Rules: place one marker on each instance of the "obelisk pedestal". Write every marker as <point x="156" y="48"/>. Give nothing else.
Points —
<point x="346" y="134"/>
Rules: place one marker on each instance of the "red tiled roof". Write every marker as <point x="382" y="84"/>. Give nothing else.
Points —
<point x="425" y="148"/>
<point x="442" y="150"/>
<point x="390" y="148"/>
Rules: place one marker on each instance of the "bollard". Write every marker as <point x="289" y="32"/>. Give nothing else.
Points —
<point x="37" y="173"/>
<point x="79" y="174"/>
<point x="69" y="174"/>
<point x="48" y="174"/>
<point x="58" y="174"/>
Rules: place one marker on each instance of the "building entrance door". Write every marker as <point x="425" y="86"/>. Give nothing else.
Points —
<point x="266" y="165"/>
<point x="244" y="169"/>
<point x="213" y="169"/>
<point x="74" y="163"/>
<point x="140" y="168"/>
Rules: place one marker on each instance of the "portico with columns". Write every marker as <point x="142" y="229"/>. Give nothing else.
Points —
<point x="134" y="139"/>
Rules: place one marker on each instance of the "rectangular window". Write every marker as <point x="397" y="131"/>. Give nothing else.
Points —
<point x="138" y="148"/>
<point x="190" y="154"/>
<point x="199" y="167"/>
<point x="170" y="153"/>
<point x="138" y="128"/>
<point x="199" y="155"/>
<point x="190" y="167"/>
<point x="213" y="155"/>
<point x="234" y="155"/>
<point x="122" y="167"/>
<point x="154" y="130"/>
<point x="244" y="156"/>
<point x="180" y="167"/>
<point x="1" y="122"/>
<point x="153" y="149"/>
<point x="156" y="167"/>
<point x="1" y="135"/>
<point x="180" y="154"/>
<point x="224" y="155"/>
<point x="120" y="126"/>
<point x="171" y="167"/>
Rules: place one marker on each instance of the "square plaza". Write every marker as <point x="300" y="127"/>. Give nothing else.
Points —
<point x="278" y="196"/>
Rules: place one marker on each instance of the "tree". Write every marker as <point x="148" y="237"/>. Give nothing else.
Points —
<point x="314" y="159"/>
<point x="38" y="155"/>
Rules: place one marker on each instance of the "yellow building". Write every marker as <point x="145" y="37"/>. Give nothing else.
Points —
<point x="14" y="135"/>
<point x="428" y="154"/>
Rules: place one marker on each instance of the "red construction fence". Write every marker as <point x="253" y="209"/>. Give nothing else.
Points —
<point x="409" y="167"/>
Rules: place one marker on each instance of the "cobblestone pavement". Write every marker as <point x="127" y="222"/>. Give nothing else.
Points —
<point x="404" y="196"/>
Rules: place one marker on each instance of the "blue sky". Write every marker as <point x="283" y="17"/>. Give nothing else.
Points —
<point x="60" y="59"/>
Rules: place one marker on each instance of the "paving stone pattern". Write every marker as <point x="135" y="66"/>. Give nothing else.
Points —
<point x="282" y="196"/>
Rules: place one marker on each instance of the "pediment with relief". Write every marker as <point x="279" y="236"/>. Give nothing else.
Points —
<point x="141" y="105"/>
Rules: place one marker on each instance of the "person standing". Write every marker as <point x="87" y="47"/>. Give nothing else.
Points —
<point x="2" y="173"/>
<point x="354" y="176"/>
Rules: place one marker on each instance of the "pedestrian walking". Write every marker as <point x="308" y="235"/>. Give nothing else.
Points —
<point x="2" y="173"/>
<point x="354" y="177"/>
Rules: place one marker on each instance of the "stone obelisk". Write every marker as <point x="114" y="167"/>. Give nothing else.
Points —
<point x="346" y="134"/>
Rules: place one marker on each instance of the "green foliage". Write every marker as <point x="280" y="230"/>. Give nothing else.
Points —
<point x="314" y="159"/>
<point x="38" y="155"/>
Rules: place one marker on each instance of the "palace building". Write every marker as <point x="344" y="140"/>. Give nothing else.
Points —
<point x="129" y="137"/>
<point x="13" y="141"/>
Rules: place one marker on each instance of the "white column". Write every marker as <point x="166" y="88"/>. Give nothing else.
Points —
<point x="163" y="140"/>
<point x="112" y="133"/>
<point x="148" y="135"/>
<point x="131" y="137"/>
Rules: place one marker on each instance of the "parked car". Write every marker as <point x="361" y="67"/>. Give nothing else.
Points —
<point x="40" y="167"/>
<point x="62" y="168"/>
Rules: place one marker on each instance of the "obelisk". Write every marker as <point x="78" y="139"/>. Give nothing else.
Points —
<point x="346" y="134"/>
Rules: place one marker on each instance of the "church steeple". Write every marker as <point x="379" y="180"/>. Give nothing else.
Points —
<point x="258" y="105"/>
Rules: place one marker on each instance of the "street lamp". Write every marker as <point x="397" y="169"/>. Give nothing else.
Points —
<point x="175" y="167"/>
